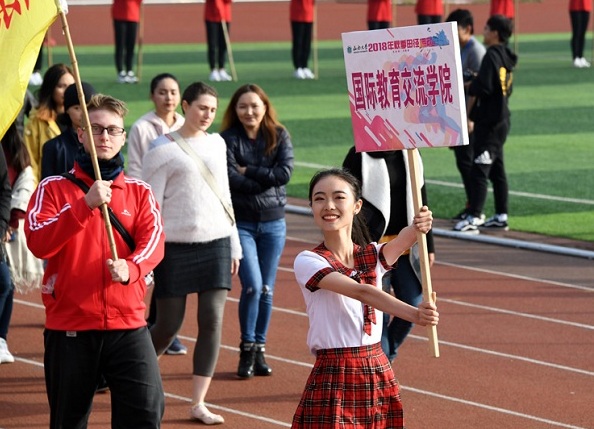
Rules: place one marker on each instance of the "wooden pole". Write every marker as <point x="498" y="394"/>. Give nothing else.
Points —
<point x="315" y="41"/>
<point x="47" y="42"/>
<point x="87" y="126"/>
<point x="428" y="294"/>
<point x="139" y="57"/>
<point x="229" y="50"/>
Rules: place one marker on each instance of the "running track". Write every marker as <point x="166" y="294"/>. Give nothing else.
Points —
<point x="516" y="342"/>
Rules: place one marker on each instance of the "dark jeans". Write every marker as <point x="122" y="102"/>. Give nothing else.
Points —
<point x="488" y="165"/>
<point x="407" y="288"/>
<point x="217" y="46"/>
<point x="125" y="40"/>
<point x="6" y="296"/>
<point x="579" y="26"/>
<point x="302" y="32"/>
<point x="74" y="363"/>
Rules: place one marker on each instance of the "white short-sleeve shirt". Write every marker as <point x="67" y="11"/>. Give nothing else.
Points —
<point x="335" y="320"/>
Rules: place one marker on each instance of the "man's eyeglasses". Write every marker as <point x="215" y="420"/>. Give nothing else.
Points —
<point x="97" y="130"/>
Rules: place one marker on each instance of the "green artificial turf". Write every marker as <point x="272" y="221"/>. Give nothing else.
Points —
<point x="549" y="153"/>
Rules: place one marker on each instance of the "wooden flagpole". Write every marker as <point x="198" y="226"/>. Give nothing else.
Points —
<point x="139" y="57"/>
<point x="315" y="41"/>
<point x="87" y="125"/>
<point x="428" y="294"/>
<point x="229" y="50"/>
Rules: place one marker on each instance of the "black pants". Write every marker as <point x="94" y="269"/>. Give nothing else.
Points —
<point x="377" y="25"/>
<point x="579" y="26"/>
<point x="217" y="46"/>
<point x="488" y="165"/>
<point x="125" y="40"/>
<point x="464" y="158"/>
<point x="74" y="362"/>
<point x="428" y="19"/>
<point x="302" y="32"/>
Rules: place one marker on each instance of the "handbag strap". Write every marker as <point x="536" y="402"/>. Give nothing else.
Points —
<point x="205" y="171"/>
<point x="115" y="222"/>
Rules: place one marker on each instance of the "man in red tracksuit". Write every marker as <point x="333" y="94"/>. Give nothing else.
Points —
<point x="95" y="323"/>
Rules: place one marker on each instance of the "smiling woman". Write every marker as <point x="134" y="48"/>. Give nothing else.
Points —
<point x="260" y="164"/>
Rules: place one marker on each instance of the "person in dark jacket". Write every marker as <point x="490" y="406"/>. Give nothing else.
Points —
<point x="260" y="164"/>
<point x="387" y="210"/>
<point x="489" y="116"/>
<point x="58" y="154"/>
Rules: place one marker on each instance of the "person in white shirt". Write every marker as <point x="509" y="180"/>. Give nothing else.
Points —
<point x="341" y="284"/>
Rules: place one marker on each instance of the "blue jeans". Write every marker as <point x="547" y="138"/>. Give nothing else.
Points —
<point x="6" y="297"/>
<point x="262" y="244"/>
<point x="407" y="287"/>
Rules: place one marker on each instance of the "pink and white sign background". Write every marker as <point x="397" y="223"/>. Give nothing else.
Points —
<point x="405" y="87"/>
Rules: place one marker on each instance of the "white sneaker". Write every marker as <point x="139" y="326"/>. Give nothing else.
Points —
<point x="36" y="79"/>
<point x="122" y="77"/>
<point x="5" y="355"/>
<point x="202" y="414"/>
<point x="469" y="225"/>
<point x="585" y="62"/>
<point x="214" y="76"/>
<point x="131" y="77"/>
<point x="308" y="73"/>
<point x="224" y="76"/>
<point x="299" y="74"/>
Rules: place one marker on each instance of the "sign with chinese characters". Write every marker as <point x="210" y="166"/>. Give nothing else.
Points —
<point x="405" y="87"/>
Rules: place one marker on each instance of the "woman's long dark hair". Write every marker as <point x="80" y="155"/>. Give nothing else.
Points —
<point x="270" y="122"/>
<point x="48" y="109"/>
<point x="13" y="144"/>
<point x="359" y="233"/>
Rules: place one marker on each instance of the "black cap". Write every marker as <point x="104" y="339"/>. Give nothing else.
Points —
<point x="71" y="95"/>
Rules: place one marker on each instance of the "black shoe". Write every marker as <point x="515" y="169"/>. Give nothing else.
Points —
<point x="261" y="368"/>
<point x="247" y="357"/>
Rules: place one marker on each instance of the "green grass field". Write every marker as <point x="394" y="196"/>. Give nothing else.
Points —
<point x="549" y="153"/>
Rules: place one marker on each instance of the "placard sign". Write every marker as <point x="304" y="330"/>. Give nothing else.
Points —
<point x="405" y="87"/>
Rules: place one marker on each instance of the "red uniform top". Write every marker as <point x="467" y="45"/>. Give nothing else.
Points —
<point x="77" y="290"/>
<point x="126" y="10"/>
<point x="429" y="7"/>
<point x="580" y="5"/>
<point x="302" y="10"/>
<point x="379" y="10"/>
<point x="503" y="7"/>
<point x="217" y="10"/>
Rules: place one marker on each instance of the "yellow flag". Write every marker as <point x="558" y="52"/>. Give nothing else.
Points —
<point x="23" y="24"/>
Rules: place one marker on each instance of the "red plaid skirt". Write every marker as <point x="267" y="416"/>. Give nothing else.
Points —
<point x="350" y="388"/>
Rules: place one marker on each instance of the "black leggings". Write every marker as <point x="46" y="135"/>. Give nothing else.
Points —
<point x="217" y="46"/>
<point x="301" y="43"/>
<point x="579" y="26"/>
<point x="125" y="40"/>
<point x="170" y="315"/>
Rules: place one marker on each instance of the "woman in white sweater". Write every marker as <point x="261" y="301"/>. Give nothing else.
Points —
<point x="202" y="249"/>
<point x="165" y="96"/>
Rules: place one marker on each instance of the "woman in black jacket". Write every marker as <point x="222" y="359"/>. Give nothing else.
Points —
<point x="260" y="164"/>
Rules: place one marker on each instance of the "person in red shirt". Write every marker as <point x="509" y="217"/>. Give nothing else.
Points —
<point x="302" y="16"/>
<point x="579" y="14"/>
<point x="429" y="11"/>
<point x="94" y="305"/>
<point x="503" y="7"/>
<point x="216" y="14"/>
<point x="126" y="17"/>
<point x="379" y="14"/>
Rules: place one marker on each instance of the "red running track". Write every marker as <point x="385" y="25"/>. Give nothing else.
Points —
<point x="516" y="341"/>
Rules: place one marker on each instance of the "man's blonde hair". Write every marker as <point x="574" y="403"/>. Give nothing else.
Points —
<point x="109" y="103"/>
